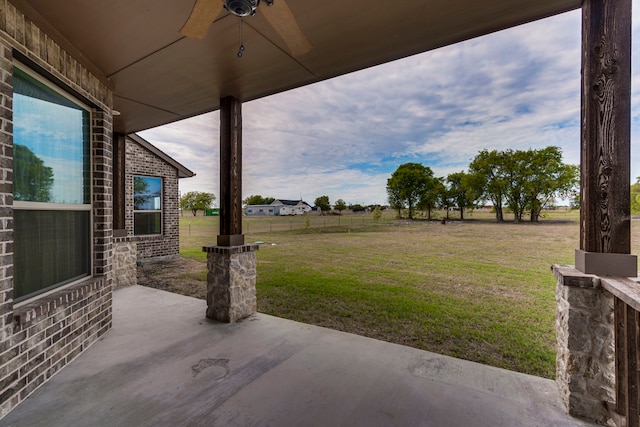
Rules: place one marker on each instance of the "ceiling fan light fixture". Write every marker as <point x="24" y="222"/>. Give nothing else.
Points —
<point x="242" y="8"/>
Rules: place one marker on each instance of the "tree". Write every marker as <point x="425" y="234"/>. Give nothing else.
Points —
<point x="445" y="199"/>
<point x="547" y="178"/>
<point x="394" y="199"/>
<point x="196" y="200"/>
<point x="377" y="214"/>
<point x="407" y="184"/>
<point x="357" y="208"/>
<point x="340" y="205"/>
<point x="430" y="197"/>
<point x="635" y="197"/>
<point x="462" y="194"/>
<point x="516" y="172"/>
<point x="257" y="200"/>
<point x="323" y="203"/>
<point x="525" y="180"/>
<point x="33" y="180"/>
<point x="489" y="178"/>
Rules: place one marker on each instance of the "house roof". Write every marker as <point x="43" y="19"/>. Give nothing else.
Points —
<point x="159" y="76"/>
<point x="183" y="172"/>
<point x="291" y="202"/>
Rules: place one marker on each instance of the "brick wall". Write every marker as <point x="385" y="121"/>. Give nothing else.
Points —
<point x="140" y="161"/>
<point x="40" y="336"/>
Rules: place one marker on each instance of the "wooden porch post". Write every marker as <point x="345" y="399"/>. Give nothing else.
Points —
<point x="119" y="184"/>
<point x="230" y="172"/>
<point x="231" y="282"/>
<point x="605" y="221"/>
<point x="586" y="312"/>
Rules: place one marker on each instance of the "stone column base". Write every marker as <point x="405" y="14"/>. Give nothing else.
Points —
<point x="124" y="263"/>
<point x="585" y="359"/>
<point x="231" y="282"/>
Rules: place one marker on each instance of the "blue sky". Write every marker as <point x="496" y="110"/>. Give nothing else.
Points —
<point x="518" y="88"/>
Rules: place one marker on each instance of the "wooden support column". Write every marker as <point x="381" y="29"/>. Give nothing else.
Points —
<point x="119" y="184"/>
<point x="231" y="282"/>
<point x="230" y="172"/>
<point x="605" y="220"/>
<point x="586" y="374"/>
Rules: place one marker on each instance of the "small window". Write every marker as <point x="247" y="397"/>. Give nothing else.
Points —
<point x="147" y="205"/>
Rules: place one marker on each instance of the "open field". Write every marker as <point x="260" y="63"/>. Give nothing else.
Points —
<point x="476" y="289"/>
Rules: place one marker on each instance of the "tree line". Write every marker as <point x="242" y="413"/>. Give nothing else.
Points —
<point x="340" y="205"/>
<point x="522" y="181"/>
<point x="199" y="200"/>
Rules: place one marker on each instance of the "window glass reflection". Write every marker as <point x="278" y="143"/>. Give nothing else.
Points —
<point x="147" y="193"/>
<point x="51" y="145"/>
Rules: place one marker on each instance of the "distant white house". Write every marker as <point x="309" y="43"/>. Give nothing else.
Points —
<point x="279" y="207"/>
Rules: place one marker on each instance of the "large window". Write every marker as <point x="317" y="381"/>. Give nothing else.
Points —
<point x="51" y="186"/>
<point x="147" y="205"/>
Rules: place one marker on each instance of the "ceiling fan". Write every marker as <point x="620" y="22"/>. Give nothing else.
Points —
<point x="277" y="13"/>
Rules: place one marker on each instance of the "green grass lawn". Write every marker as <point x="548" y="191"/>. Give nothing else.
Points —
<point x="475" y="289"/>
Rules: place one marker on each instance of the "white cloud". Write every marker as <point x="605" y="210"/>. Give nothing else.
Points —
<point x="518" y="88"/>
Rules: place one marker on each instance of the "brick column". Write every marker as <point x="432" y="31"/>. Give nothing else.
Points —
<point x="231" y="282"/>
<point x="585" y="358"/>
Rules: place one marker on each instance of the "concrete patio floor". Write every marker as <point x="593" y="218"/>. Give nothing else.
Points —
<point x="165" y="364"/>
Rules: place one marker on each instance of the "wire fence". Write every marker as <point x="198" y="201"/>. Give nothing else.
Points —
<point x="194" y="229"/>
<point x="198" y="225"/>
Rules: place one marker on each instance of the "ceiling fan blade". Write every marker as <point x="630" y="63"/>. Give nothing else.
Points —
<point x="282" y="20"/>
<point x="202" y="16"/>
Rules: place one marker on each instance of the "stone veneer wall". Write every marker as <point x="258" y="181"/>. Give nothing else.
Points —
<point x="39" y="337"/>
<point x="140" y="161"/>
<point x="585" y="359"/>
<point x="124" y="263"/>
<point x="231" y="282"/>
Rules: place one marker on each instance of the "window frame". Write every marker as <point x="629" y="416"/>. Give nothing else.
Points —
<point x="138" y="211"/>
<point x="70" y="207"/>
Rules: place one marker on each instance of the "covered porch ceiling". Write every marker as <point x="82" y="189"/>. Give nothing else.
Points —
<point x="159" y="76"/>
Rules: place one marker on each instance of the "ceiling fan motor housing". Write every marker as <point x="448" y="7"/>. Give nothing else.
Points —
<point x="242" y="7"/>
